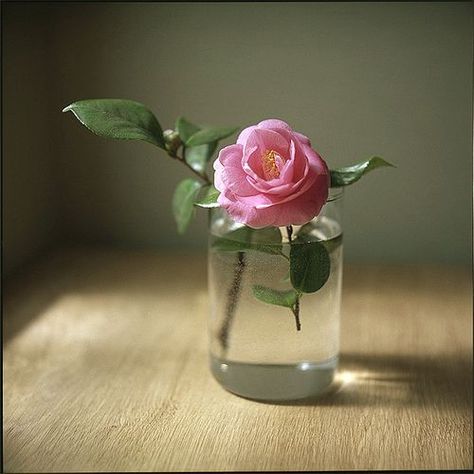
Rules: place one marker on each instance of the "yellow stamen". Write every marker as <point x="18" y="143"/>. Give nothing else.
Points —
<point x="270" y="168"/>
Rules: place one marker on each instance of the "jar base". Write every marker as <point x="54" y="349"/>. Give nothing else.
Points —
<point x="275" y="382"/>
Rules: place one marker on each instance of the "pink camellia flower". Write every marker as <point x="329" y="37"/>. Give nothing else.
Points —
<point x="271" y="177"/>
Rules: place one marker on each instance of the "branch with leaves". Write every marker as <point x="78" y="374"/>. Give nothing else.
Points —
<point x="189" y="144"/>
<point x="194" y="147"/>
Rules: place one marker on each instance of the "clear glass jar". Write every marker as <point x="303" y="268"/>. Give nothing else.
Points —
<point x="256" y="350"/>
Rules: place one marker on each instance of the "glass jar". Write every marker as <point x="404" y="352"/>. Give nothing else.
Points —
<point x="265" y="351"/>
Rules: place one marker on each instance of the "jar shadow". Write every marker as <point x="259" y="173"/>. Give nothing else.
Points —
<point x="395" y="380"/>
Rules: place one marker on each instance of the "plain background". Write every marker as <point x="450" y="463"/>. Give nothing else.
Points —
<point x="360" y="79"/>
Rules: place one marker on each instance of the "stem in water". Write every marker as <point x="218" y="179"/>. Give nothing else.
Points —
<point x="296" y="307"/>
<point x="232" y="299"/>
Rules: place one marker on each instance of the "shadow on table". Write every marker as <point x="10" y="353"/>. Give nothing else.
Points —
<point x="383" y="380"/>
<point x="82" y="272"/>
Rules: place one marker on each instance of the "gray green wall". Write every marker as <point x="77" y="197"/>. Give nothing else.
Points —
<point x="31" y="211"/>
<point x="393" y="79"/>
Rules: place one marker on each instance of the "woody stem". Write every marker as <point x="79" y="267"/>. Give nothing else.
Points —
<point x="182" y="159"/>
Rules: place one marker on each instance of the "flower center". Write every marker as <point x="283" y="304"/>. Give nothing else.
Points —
<point x="270" y="165"/>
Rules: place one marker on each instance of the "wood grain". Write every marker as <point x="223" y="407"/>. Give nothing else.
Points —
<point x="105" y="369"/>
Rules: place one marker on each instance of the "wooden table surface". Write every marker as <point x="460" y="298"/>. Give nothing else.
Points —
<point x="105" y="369"/>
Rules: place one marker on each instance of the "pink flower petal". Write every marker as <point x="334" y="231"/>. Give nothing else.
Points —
<point x="271" y="177"/>
<point x="296" y="191"/>
<point x="266" y="140"/>
<point x="230" y="171"/>
<point x="274" y="124"/>
<point x="244" y="134"/>
<point x="252" y="162"/>
<point x="302" y="138"/>
<point x="218" y="184"/>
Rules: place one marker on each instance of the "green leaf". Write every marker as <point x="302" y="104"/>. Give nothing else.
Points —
<point x="183" y="200"/>
<point x="209" y="135"/>
<point x="306" y="234"/>
<point x="309" y="266"/>
<point x="185" y="128"/>
<point x="351" y="174"/>
<point x="279" y="298"/>
<point x="266" y="235"/>
<point x="118" y="118"/>
<point x="196" y="156"/>
<point x="209" y="199"/>
<point x="199" y="156"/>
<point x="267" y="240"/>
<point x="332" y="244"/>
